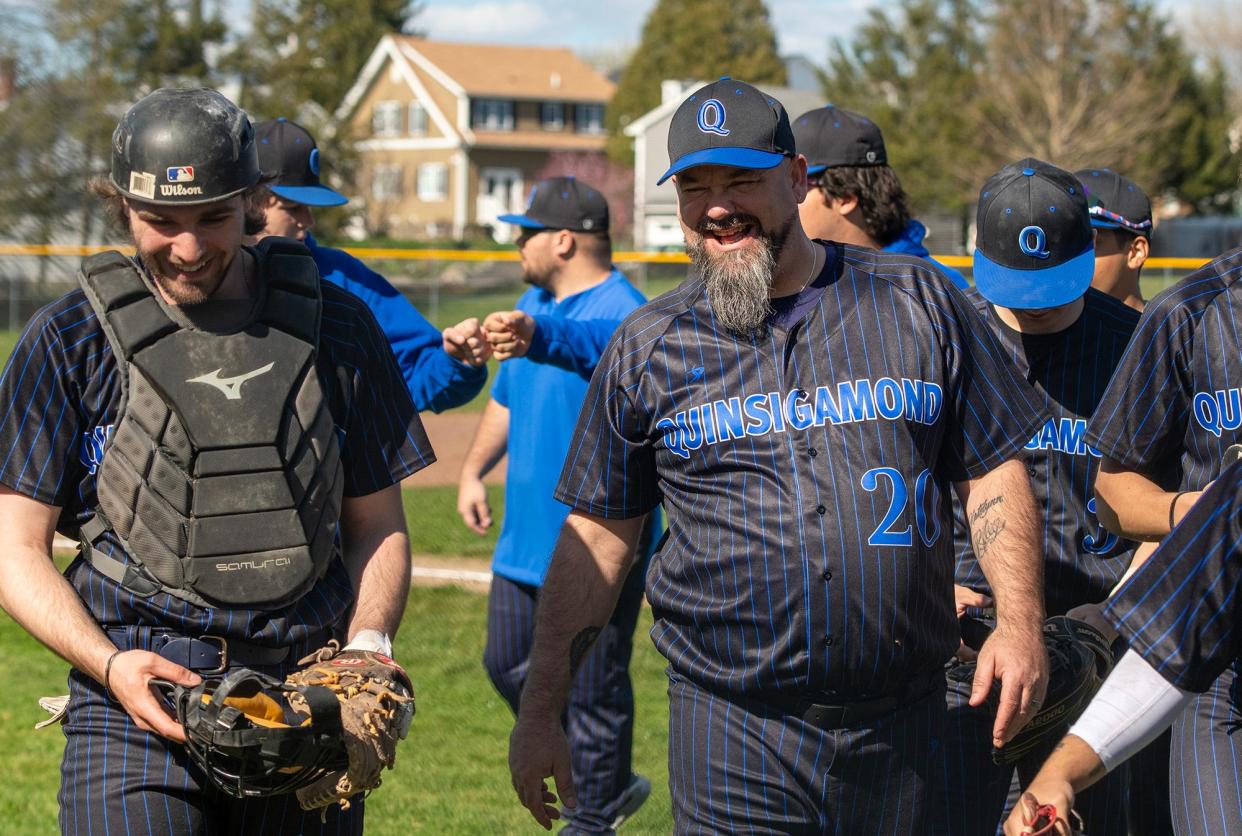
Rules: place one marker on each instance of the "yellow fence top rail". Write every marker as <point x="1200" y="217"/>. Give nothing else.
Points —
<point x="411" y="254"/>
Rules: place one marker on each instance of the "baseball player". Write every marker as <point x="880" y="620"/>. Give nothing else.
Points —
<point x="225" y="436"/>
<point x="442" y="370"/>
<point x="802" y="409"/>
<point x="1179" y="615"/>
<point x="550" y="346"/>
<point x="855" y="198"/>
<point x="1121" y="215"/>
<point x="1033" y="264"/>
<point x="1163" y="425"/>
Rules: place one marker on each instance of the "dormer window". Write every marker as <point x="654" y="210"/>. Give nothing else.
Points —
<point x="552" y="116"/>
<point x="589" y="118"/>
<point x="491" y="114"/>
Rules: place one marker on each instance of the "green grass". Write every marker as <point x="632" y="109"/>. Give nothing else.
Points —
<point x="435" y="528"/>
<point x="451" y="775"/>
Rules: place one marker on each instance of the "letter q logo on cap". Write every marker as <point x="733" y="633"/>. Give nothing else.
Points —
<point x="712" y="118"/>
<point x="1034" y="242"/>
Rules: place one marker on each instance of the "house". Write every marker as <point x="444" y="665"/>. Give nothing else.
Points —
<point x="655" y="207"/>
<point x="450" y="135"/>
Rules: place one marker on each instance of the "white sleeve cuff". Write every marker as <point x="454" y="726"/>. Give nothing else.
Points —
<point x="372" y="640"/>
<point x="1133" y="706"/>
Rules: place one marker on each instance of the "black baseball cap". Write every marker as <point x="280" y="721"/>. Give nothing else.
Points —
<point x="1034" y="247"/>
<point x="728" y="123"/>
<point x="830" y="137"/>
<point x="287" y="152"/>
<point x="563" y="203"/>
<point x="1116" y="202"/>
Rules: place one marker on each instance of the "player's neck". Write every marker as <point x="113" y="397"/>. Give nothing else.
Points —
<point x="577" y="276"/>
<point x="797" y="266"/>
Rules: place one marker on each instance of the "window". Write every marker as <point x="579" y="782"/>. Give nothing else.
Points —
<point x="418" y="119"/>
<point x="552" y="116"/>
<point x="491" y="114"/>
<point x="386" y="182"/>
<point x="589" y="118"/>
<point x="432" y="181"/>
<point x="386" y="119"/>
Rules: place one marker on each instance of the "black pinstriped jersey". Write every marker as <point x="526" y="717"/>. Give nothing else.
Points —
<point x="1181" y="610"/>
<point x="804" y="474"/>
<point x="1175" y="402"/>
<point x="58" y="405"/>
<point x="1069" y="370"/>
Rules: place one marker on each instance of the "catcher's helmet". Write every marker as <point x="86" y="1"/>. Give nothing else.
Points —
<point x="184" y="147"/>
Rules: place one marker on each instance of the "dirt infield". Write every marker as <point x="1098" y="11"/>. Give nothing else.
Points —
<point x="451" y="434"/>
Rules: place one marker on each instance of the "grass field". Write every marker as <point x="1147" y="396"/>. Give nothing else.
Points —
<point x="435" y="528"/>
<point x="451" y="775"/>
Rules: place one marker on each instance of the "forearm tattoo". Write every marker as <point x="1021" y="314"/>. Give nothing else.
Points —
<point x="985" y="506"/>
<point x="985" y="528"/>
<point x="579" y="647"/>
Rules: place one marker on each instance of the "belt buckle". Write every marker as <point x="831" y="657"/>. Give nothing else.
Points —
<point x="224" y="655"/>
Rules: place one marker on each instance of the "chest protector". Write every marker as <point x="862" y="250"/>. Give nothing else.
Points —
<point x="222" y="477"/>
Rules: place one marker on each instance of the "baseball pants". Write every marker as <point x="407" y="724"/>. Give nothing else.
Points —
<point x="741" y="765"/>
<point x="117" y="778"/>
<point x="599" y="718"/>
<point x="1205" y="768"/>
<point x="978" y="794"/>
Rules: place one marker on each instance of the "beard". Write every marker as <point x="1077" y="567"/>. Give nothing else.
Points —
<point x="739" y="282"/>
<point x="182" y="293"/>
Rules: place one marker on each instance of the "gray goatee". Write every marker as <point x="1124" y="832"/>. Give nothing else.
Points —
<point x="739" y="283"/>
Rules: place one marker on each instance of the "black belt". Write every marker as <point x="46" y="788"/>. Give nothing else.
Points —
<point x="206" y="654"/>
<point x="824" y="715"/>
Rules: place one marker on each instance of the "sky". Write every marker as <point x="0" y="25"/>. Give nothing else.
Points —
<point x="804" y="27"/>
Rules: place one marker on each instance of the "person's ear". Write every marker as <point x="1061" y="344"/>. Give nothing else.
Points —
<point x="1138" y="251"/>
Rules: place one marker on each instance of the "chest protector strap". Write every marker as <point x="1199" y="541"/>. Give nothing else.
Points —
<point x="222" y="479"/>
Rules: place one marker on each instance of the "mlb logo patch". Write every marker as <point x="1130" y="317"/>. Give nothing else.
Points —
<point x="180" y="173"/>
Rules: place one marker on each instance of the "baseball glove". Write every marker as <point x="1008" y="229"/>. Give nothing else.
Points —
<point x="376" y="705"/>
<point x="245" y="733"/>
<point x="1079" y="660"/>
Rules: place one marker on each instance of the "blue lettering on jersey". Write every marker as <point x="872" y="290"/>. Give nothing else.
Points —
<point x="1218" y="411"/>
<point x="1065" y="435"/>
<point x="705" y="425"/>
<point x="91" y="451"/>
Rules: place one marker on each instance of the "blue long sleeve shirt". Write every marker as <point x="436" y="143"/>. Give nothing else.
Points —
<point x="910" y="242"/>
<point x="436" y="381"/>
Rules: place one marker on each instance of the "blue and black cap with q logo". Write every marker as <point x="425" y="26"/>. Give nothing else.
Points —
<point x="288" y="152"/>
<point x="1034" y="246"/>
<point x="728" y="123"/>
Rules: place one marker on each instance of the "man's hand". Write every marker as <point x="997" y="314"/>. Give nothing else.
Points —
<point x="966" y="598"/>
<point x="1018" y="659"/>
<point x="1026" y="819"/>
<point x="509" y="333"/>
<point x="129" y="680"/>
<point x="465" y="342"/>
<point x="538" y="750"/>
<point x="472" y="505"/>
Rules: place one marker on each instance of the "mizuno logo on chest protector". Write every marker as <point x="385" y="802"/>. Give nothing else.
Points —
<point x="230" y="386"/>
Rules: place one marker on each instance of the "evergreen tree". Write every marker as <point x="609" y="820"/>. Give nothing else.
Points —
<point x="692" y="39"/>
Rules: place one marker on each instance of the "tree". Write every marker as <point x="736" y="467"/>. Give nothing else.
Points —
<point x="962" y="87"/>
<point x="692" y="39"/>
<point x="912" y="73"/>
<point x="310" y="51"/>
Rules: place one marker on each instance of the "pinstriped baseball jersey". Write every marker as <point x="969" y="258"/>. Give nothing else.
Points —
<point x="1069" y="370"/>
<point x="1181" y="609"/>
<point x="58" y="404"/>
<point x="804" y="474"/>
<point x="1175" y="402"/>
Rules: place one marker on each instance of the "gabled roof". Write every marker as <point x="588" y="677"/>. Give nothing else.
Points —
<point x="523" y="72"/>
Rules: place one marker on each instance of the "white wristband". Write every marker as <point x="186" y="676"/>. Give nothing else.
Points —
<point x="372" y="640"/>
<point x="1133" y="706"/>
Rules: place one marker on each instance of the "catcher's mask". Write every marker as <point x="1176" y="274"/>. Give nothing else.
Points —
<point x="244" y="731"/>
